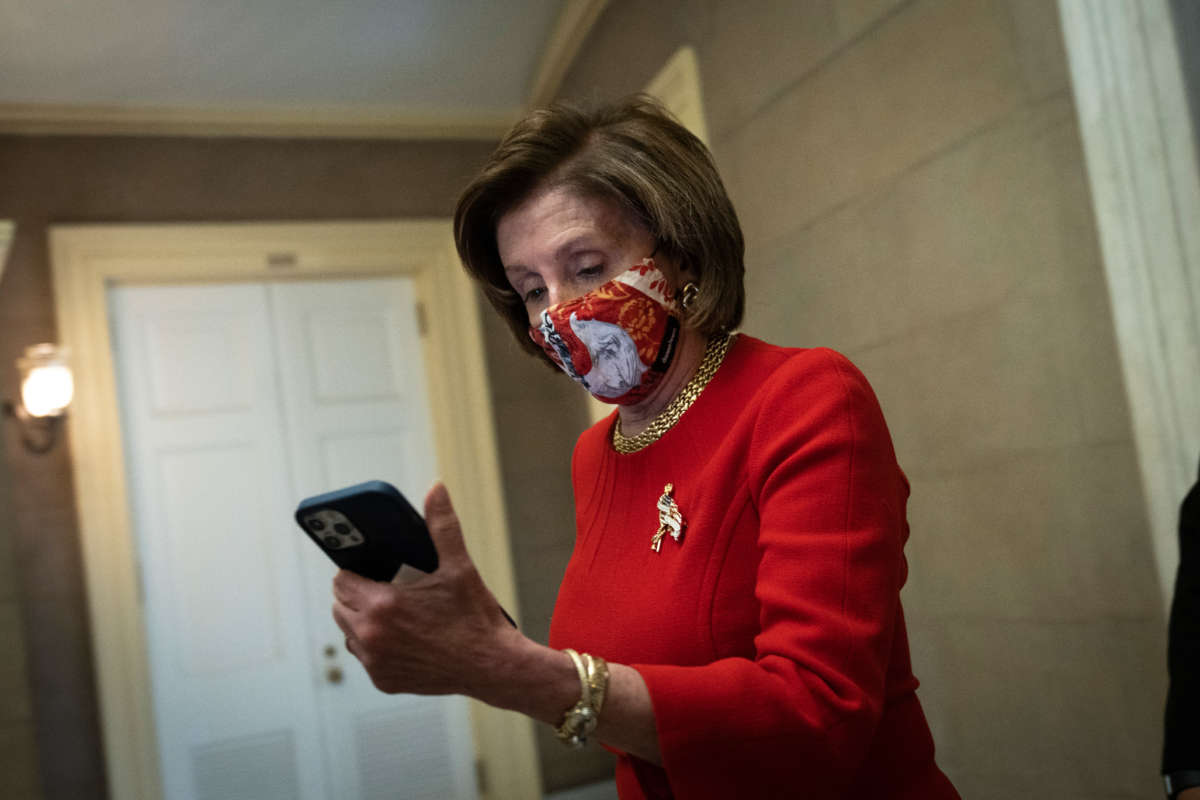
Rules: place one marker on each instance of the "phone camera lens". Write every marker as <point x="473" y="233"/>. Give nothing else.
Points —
<point x="316" y="524"/>
<point x="341" y="528"/>
<point x="332" y="542"/>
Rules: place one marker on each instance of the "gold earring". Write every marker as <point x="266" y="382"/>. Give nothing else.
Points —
<point x="687" y="295"/>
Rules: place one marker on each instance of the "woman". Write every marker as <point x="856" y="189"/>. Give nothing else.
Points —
<point x="729" y="622"/>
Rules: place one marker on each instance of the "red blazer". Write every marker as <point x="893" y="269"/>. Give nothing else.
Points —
<point x="771" y="636"/>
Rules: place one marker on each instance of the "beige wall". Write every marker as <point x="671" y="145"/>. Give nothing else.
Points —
<point x="48" y="713"/>
<point x="910" y="180"/>
<point x="18" y="749"/>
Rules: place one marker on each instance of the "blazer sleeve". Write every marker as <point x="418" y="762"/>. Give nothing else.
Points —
<point x="1181" y="740"/>
<point x="798" y="719"/>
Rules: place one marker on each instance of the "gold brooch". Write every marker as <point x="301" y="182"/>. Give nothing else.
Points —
<point x="669" y="519"/>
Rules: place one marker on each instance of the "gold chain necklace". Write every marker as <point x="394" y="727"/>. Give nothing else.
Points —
<point x="714" y="354"/>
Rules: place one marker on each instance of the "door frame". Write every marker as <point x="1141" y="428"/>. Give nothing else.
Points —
<point x="88" y="259"/>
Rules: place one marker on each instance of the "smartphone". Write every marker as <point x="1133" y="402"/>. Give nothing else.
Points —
<point x="370" y="529"/>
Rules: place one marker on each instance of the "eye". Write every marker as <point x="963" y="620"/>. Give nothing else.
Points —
<point x="535" y="294"/>
<point x="591" y="271"/>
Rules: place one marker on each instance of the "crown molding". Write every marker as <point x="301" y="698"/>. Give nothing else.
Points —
<point x="314" y="122"/>
<point x="573" y="26"/>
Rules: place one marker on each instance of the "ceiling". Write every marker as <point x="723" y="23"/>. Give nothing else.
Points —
<point x="380" y="68"/>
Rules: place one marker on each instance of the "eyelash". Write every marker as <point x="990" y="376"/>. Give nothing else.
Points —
<point x="535" y="294"/>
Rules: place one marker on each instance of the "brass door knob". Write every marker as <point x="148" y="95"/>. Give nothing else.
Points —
<point x="334" y="675"/>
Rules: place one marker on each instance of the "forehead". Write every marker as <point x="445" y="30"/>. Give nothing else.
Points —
<point x="553" y="218"/>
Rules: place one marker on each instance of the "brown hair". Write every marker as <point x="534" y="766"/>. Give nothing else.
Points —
<point x="633" y="153"/>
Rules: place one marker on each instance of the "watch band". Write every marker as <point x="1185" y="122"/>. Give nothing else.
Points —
<point x="1177" y="780"/>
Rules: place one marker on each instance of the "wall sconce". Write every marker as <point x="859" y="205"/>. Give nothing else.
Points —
<point x="46" y="390"/>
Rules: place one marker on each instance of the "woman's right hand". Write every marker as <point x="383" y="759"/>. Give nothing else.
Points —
<point x="436" y="633"/>
<point x="444" y="633"/>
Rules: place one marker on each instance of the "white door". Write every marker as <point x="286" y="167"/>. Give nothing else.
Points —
<point x="237" y="401"/>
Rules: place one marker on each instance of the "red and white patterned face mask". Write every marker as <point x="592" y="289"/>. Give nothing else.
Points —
<point x="618" y="339"/>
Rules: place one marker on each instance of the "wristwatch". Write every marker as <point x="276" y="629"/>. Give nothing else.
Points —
<point x="1175" y="782"/>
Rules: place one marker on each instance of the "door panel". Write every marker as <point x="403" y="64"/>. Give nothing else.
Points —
<point x="195" y="363"/>
<point x="214" y="525"/>
<point x="395" y="758"/>
<point x="247" y="768"/>
<point x="351" y="360"/>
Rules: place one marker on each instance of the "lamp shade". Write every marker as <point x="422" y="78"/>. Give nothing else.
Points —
<point x="46" y="382"/>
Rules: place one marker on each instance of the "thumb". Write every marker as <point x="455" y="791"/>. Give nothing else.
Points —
<point x="443" y="524"/>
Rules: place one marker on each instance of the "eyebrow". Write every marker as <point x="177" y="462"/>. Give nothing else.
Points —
<point x="580" y="244"/>
<point x="583" y="243"/>
<point x="519" y="269"/>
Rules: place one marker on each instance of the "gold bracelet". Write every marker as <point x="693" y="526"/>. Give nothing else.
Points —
<point x="597" y="672"/>
<point x="581" y="719"/>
